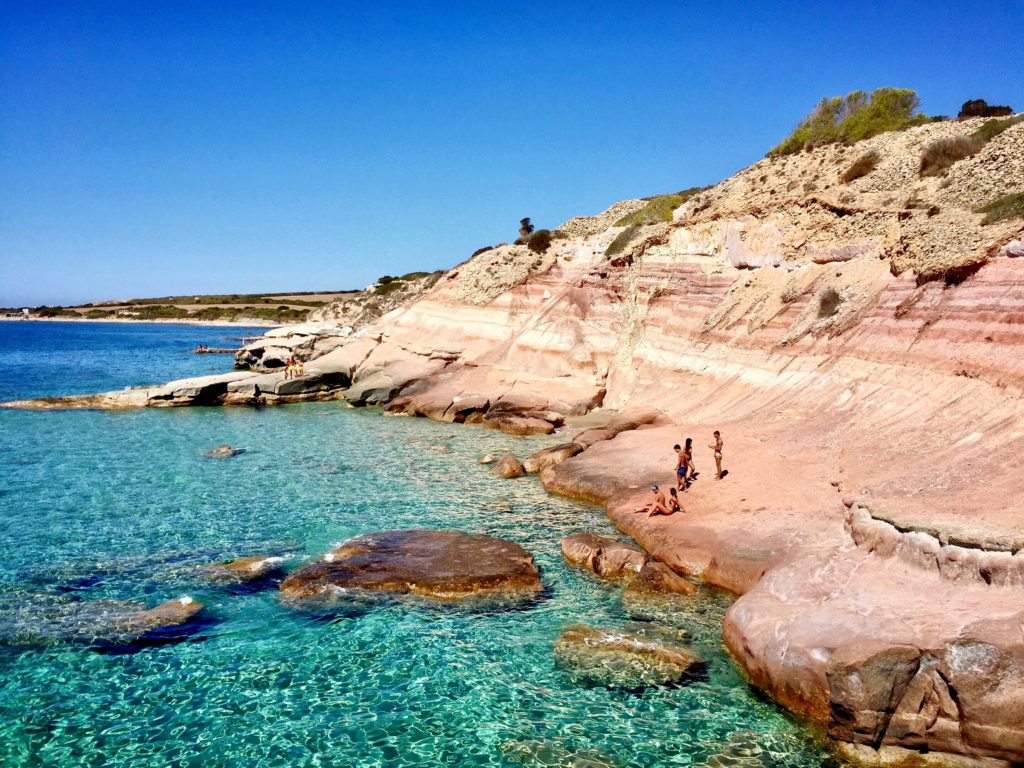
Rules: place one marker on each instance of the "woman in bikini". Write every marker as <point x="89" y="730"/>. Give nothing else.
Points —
<point x="688" y="451"/>
<point x="717" y="446"/>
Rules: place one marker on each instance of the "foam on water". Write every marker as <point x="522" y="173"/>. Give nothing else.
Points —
<point x="122" y="506"/>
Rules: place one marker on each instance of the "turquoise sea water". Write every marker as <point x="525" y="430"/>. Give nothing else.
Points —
<point x="123" y="505"/>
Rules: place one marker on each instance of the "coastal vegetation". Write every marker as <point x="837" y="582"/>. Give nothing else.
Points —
<point x="944" y="153"/>
<point x="623" y="239"/>
<point x="1009" y="207"/>
<point x="862" y="166"/>
<point x="539" y="241"/>
<point x="658" y="209"/>
<point x="852" y="118"/>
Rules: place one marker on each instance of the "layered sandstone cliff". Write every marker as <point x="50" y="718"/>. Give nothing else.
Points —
<point x="859" y="345"/>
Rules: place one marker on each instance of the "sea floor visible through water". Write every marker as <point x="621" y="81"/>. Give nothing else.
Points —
<point x="124" y="505"/>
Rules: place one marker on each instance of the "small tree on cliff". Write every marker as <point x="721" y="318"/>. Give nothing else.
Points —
<point x="525" y="228"/>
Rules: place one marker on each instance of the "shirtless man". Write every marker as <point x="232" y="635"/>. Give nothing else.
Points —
<point x="681" y="467"/>
<point x="717" y="446"/>
<point x="656" y="505"/>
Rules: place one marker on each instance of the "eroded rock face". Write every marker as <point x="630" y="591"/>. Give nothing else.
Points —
<point x="509" y="467"/>
<point x="605" y="557"/>
<point x="631" y="658"/>
<point x="447" y="566"/>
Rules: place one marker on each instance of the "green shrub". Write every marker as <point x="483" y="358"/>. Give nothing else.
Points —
<point x="851" y="118"/>
<point x="539" y="241"/>
<point x="386" y="280"/>
<point x="862" y="166"/>
<point x="623" y="239"/>
<point x="1009" y="207"/>
<point x="98" y="314"/>
<point x="559" y="235"/>
<point x="992" y="128"/>
<point x="392" y="285"/>
<point x="45" y="311"/>
<point x="160" y="312"/>
<point x="657" y="209"/>
<point x="828" y="302"/>
<point x="414" y="275"/>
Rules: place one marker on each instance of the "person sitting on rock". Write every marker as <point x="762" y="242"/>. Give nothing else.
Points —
<point x="717" y="447"/>
<point x="657" y="503"/>
<point x="300" y="367"/>
<point x="674" y="505"/>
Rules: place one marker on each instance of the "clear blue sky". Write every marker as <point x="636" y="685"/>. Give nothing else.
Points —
<point x="162" y="148"/>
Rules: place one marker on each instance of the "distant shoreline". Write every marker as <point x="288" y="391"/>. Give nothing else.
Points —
<point x="252" y="323"/>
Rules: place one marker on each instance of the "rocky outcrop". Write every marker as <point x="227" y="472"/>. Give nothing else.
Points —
<point x="509" y="467"/>
<point x="447" y="566"/>
<point x="605" y="557"/>
<point x="632" y="659"/>
<point x="549" y="457"/>
<point x="854" y="340"/>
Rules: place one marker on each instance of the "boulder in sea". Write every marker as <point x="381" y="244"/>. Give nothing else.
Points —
<point x="223" y="451"/>
<point x="605" y="557"/>
<point x="444" y="566"/>
<point x="509" y="467"/>
<point x="246" y="570"/>
<point x="630" y="659"/>
<point x="487" y="458"/>
<point x="549" y="457"/>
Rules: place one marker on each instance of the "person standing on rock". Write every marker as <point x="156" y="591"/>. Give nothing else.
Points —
<point x="681" y="467"/>
<point x="717" y="447"/>
<point x="688" y="453"/>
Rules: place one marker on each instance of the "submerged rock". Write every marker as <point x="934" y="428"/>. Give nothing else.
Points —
<point x="605" y="557"/>
<point x="621" y="658"/>
<point x="41" y="620"/>
<point x="487" y="458"/>
<point x="509" y="467"/>
<point x="223" y="451"/>
<point x="658" y="594"/>
<point x="246" y="570"/>
<point x="447" y="566"/>
<point x="539" y="752"/>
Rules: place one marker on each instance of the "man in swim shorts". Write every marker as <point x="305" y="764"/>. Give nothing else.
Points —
<point x="681" y="467"/>
<point x="717" y="447"/>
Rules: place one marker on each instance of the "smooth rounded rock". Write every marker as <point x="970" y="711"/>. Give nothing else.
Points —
<point x="605" y="557"/>
<point x="447" y="566"/>
<point x="549" y="457"/>
<point x="509" y="467"/>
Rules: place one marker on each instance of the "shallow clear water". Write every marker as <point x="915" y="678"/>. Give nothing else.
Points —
<point x="123" y="505"/>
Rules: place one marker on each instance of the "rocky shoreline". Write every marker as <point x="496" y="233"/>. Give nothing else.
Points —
<point x="856" y="342"/>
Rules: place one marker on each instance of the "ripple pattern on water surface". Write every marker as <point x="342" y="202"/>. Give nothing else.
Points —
<point x="122" y="506"/>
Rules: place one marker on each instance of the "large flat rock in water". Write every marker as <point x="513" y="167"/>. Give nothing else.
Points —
<point x="442" y="565"/>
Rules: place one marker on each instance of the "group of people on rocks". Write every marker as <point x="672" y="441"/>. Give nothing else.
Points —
<point x="294" y="368"/>
<point x="686" y="473"/>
